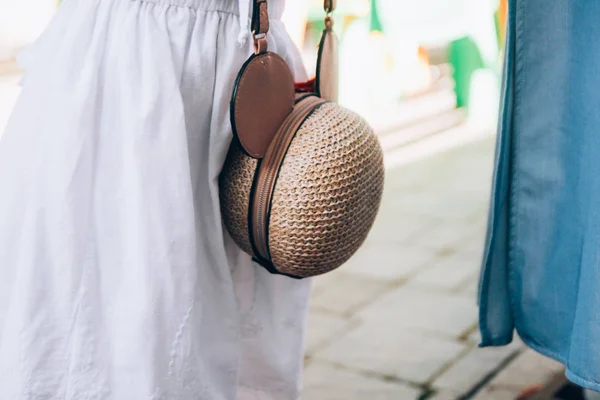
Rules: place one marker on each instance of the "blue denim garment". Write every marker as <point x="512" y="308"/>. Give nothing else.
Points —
<point x="541" y="273"/>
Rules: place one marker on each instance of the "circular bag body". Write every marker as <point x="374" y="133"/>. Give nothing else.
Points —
<point x="325" y="198"/>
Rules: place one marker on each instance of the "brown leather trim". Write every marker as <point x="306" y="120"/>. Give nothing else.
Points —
<point x="302" y="96"/>
<point x="250" y="208"/>
<point x="268" y="171"/>
<point x="268" y="265"/>
<point x="260" y="45"/>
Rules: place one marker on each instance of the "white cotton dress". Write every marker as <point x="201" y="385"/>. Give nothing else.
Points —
<point x="117" y="279"/>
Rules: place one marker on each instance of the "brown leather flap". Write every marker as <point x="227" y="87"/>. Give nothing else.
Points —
<point x="262" y="98"/>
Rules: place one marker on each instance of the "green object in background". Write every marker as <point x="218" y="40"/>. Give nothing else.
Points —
<point x="465" y="58"/>
<point x="375" y="21"/>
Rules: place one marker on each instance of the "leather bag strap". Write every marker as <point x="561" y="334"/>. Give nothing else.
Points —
<point x="260" y="15"/>
<point x="329" y="5"/>
<point x="260" y="25"/>
<point x="260" y="18"/>
<point x="260" y="22"/>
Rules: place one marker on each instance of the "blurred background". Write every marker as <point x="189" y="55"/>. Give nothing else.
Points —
<point x="399" y="321"/>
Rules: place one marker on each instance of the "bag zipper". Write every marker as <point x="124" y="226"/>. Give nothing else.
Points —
<point x="268" y="171"/>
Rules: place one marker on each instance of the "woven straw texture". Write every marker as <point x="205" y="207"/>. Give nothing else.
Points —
<point x="326" y="197"/>
<point x="235" y="186"/>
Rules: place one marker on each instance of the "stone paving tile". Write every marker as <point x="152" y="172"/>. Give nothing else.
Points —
<point x="477" y="156"/>
<point x="527" y="369"/>
<point x="471" y="369"/>
<point x="454" y="196"/>
<point x="430" y="232"/>
<point x="434" y="203"/>
<point x="474" y="242"/>
<point x="401" y="181"/>
<point x="409" y="307"/>
<point x="323" y="328"/>
<point x="392" y="350"/>
<point x="497" y="394"/>
<point x="443" y="236"/>
<point x="471" y="289"/>
<point x="415" y="177"/>
<point x="475" y="336"/>
<point x="478" y="228"/>
<point x="321" y="282"/>
<point x="397" y="226"/>
<point x="591" y="395"/>
<point x="444" y="395"/>
<point x="389" y="262"/>
<point x="458" y="210"/>
<point x="450" y="272"/>
<point x="347" y="293"/>
<point x="324" y="382"/>
<point x="469" y="179"/>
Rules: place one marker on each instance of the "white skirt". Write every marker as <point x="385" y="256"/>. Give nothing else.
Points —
<point x="118" y="280"/>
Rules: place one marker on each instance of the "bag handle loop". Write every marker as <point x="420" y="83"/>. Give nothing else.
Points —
<point x="260" y="26"/>
<point x="329" y="7"/>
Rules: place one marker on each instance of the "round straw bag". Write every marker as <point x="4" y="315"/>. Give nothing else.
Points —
<point x="303" y="179"/>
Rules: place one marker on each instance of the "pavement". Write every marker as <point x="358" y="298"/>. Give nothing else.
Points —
<point x="399" y="320"/>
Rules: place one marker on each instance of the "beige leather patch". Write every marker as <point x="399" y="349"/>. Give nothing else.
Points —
<point x="328" y="67"/>
<point x="262" y="98"/>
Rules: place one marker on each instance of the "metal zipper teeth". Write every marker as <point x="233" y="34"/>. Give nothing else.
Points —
<point x="270" y="165"/>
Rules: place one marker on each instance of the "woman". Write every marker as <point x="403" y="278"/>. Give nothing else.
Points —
<point x="119" y="281"/>
<point x="541" y="273"/>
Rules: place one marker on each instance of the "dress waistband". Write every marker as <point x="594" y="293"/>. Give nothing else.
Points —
<point x="237" y="7"/>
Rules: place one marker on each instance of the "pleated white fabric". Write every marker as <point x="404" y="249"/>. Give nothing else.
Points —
<point x="118" y="279"/>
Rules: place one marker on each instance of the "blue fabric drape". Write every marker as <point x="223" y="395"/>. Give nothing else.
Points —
<point x="541" y="272"/>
